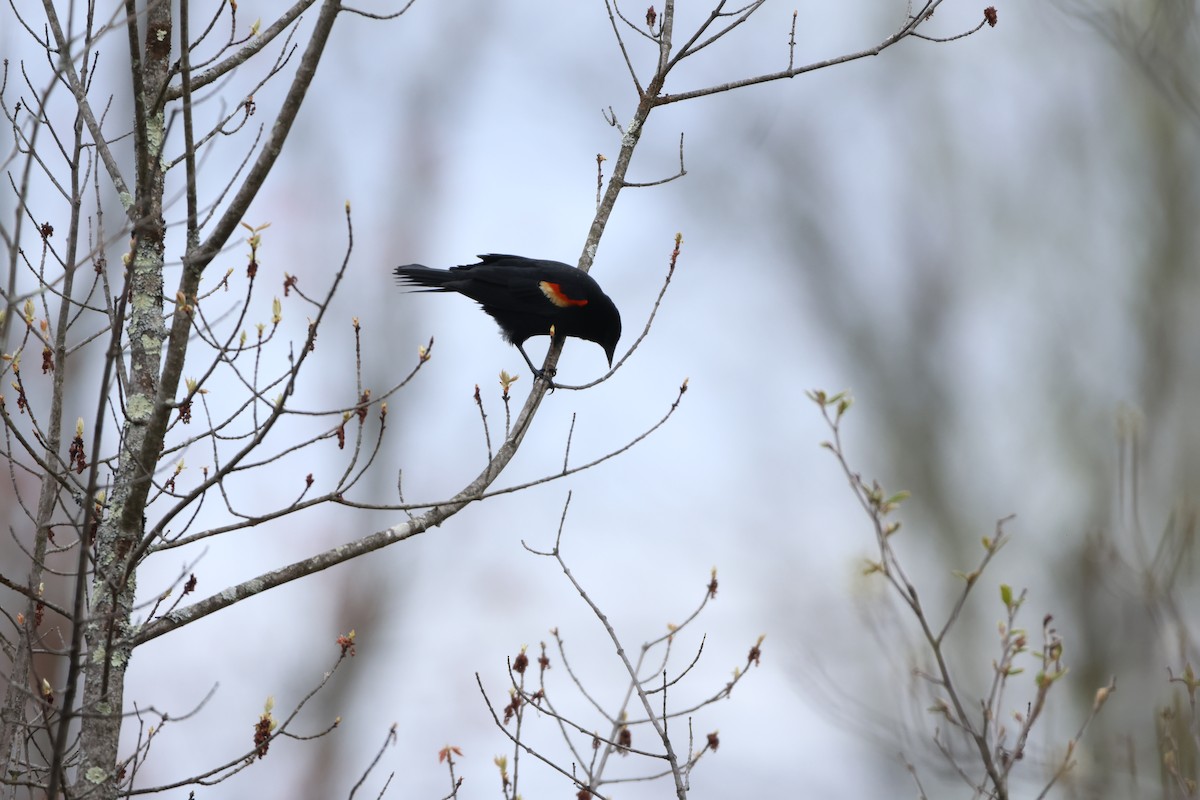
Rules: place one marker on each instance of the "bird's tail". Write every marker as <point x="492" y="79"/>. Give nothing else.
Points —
<point x="421" y="275"/>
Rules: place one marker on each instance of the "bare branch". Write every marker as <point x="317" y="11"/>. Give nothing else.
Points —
<point x="381" y="17"/>
<point x="244" y="54"/>
<point x="907" y="29"/>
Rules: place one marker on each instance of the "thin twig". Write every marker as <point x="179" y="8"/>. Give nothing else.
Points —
<point x="527" y="748"/>
<point x="390" y="739"/>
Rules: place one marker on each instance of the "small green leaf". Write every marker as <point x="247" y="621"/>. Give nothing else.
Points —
<point x="1006" y="595"/>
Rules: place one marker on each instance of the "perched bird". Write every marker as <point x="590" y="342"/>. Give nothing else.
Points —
<point x="528" y="297"/>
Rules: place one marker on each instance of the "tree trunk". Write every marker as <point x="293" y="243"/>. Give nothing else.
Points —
<point x="108" y="647"/>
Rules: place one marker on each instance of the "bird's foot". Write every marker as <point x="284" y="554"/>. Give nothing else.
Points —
<point x="546" y="376"/>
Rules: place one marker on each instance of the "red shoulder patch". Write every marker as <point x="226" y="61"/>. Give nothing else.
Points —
<point x="556" y="295"/>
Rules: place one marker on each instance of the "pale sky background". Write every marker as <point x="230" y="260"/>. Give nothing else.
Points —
<point x="958" y="233"/>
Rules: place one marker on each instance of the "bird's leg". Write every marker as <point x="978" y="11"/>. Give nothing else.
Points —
<point x="537" y="373"/>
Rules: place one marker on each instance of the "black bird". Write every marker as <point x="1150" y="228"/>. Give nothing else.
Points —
<point x="529" y="297"/>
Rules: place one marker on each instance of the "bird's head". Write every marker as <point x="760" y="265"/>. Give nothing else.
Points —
<point x="607" y="329"/>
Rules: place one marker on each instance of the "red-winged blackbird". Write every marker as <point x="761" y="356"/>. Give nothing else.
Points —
<point x="529" y="297"/>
